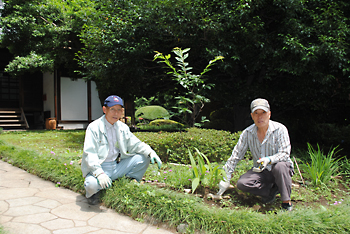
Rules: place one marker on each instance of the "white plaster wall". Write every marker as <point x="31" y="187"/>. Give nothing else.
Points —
<point x="96" y="107"/>
<point x="48" y="90"/>
<point x="74" y="99"/>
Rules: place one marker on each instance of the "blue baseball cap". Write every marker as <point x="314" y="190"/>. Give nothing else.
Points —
<point x="113" y="100"/>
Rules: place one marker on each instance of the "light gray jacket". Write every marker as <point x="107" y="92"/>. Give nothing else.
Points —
<point x="96" y="145"/>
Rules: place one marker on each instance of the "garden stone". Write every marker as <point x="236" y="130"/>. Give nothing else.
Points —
<point x="182" y="228"/>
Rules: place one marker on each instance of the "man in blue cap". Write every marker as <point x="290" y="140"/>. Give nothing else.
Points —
<point x="111" y="151"/>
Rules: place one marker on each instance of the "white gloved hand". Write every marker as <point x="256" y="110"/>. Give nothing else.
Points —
<point x="104" y="180"/>
<point x="223" y="186"/>
<point x="153" y="157"/>
<point x="264" y="162"/>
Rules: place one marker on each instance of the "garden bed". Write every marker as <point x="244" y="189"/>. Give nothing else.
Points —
<point x="235" y="199"/>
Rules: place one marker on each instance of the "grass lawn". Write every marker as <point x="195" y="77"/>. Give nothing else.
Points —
<point x="160" y="198"/>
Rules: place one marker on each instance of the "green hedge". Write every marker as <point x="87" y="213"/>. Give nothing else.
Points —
<point x="173" y="147"/>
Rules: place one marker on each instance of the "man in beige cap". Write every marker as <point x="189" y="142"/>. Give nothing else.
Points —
<point x="270" y="146"/>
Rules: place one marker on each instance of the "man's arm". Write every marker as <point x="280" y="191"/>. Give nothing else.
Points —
<point x="284" y="146"/>
<point x="90" y="160"/>
<point x="237" y="154"/>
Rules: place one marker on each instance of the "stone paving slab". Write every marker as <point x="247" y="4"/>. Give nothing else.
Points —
<point x="31" y="205"/>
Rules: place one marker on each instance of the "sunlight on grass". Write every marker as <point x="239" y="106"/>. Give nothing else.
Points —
<point x="65" y="144"/>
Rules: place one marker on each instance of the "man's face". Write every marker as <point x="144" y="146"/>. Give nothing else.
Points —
<point x="261" y="118"/>
<point x="114" y="113"/>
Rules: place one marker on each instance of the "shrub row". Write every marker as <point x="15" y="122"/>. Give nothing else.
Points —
<point x="173" y="147"/>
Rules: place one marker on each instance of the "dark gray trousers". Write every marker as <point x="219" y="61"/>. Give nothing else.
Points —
<point x="261" y="183"/>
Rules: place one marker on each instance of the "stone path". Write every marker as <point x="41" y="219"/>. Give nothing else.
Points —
<point x="31" y="205"/>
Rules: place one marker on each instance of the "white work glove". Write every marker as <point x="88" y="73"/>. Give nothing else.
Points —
<point x="264" y="161"/>
<point x="153" y="157"/>
<point x="223" y="186"/>
<point x="104" y="180"/>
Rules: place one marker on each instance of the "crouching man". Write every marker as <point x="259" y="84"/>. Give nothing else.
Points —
<point x="270" y="146"/>
<point x="111" y="151"/>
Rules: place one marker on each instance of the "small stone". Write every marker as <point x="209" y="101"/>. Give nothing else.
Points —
<point x="187" y="190"/>
<point x="182" y="228"/>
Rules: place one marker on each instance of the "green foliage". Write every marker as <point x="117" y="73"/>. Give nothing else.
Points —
<point x="160" y="128"/>
<point x="322" y="167"/>
<point x="145" y="201"/>
<point x="294" y="53"/>
<point x="162" y="125"/>
<point x="176" y="176"/>
<point x="345" y="168"/>
<point x="150" y="113"/>
<point x="42" y="35"/>
<point x="193" y="100"/>
<point x="205" y="173"/>
<point x="172" y="147"/>
<point x="160" y="122"/>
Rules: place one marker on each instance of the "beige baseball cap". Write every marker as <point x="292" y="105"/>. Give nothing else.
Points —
<point x="260" y="103"/>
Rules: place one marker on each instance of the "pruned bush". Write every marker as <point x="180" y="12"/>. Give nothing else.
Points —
<point x="160" y="122"/>
<point x="150" y="113"/>
<point x="173" y="147"/>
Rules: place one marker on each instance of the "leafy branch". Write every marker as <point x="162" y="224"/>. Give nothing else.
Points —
<point x="193" y="100"/>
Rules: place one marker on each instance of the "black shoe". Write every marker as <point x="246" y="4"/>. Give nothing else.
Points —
<point x="287" y="206"/>
<point x="272" y="196"/>
<point x="94" y="199"/>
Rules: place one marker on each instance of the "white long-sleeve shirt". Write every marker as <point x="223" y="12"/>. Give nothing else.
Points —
<point x="112" y="141"/>
<point x="276" y="146"/>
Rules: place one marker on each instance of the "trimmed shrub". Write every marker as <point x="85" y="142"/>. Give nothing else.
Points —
<point x="172" y="147"/>
<point x="150" y="113"/>
<point x="160" y="122"/>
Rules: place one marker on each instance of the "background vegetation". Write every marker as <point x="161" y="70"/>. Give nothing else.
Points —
<point x="294" y="53"/>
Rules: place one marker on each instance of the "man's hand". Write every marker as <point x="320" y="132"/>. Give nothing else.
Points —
<point x="153" y="157"/>
<point x="223" y="186"/>
<point x="264" y="161"/>
<point x="104" y="180"/>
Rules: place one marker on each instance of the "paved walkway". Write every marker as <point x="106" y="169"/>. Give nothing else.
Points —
<point x="31" y="205"/>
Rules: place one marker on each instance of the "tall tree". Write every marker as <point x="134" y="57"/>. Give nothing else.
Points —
<point x="293" y="52"/>
<point x="42" y="35"/>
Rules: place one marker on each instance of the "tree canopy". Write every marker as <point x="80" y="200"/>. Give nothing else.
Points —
<point x="295" y="53"/>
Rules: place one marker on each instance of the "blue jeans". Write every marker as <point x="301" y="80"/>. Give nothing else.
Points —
<point x="132" y="167"/>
